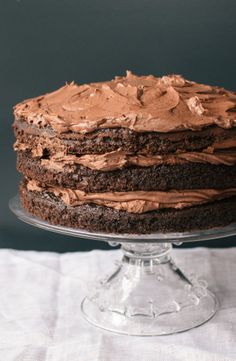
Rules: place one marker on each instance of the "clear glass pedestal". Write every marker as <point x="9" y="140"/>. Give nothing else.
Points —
<point x="147" y="294"/>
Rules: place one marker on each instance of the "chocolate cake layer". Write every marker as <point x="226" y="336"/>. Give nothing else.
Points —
<point x="104" y="219"/>
<point x="101" y="141"/>
<point x="136" y="201"/>
<point x="162" y="177"/>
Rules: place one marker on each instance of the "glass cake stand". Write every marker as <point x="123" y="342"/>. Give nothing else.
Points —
<point x="147" y="294"/>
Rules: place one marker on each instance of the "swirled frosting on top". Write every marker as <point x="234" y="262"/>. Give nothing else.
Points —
<point x="140" y="103"/>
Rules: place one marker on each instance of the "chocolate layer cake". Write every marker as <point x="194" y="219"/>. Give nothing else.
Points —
<point x="138" y="154"/>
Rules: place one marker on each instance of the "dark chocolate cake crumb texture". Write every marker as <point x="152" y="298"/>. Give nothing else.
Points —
<point x="137" y="154"/>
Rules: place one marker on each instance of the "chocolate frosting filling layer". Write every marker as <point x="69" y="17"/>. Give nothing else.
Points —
<point x="140" y="103"/>
<point x="136" y="202"/>
<point x="118" y="160"/>
<point x="216" y="154"/>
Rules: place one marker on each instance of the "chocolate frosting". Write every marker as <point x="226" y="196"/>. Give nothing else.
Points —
<point x="139" y="201"/>
<point x="140" y="103"/>
<point x="224" y="144"/>
<point x="119" y="159"/>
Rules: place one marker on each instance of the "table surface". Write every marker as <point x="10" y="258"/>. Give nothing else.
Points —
<point x="40" y="317"/>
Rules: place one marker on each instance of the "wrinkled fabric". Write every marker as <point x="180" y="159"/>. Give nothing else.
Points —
<point x="40" y="317"/>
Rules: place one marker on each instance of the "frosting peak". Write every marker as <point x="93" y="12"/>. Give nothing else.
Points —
<point x="140" y="103"/>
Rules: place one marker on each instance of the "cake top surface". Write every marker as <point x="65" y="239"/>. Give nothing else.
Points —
<point x="140" y="103"/>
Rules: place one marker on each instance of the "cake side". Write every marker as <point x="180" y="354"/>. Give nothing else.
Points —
<point x="186" y="175"/>
<point x="155" y="150"/>
<point x="98" y="218"/>
<point x="46" y="140"/>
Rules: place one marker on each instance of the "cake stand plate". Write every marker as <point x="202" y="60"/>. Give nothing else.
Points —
<point x="147" y="294"/>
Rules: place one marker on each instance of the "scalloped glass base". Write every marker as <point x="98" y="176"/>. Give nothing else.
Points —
<point x="151" y="326"/>
<point x="149" y="296"/>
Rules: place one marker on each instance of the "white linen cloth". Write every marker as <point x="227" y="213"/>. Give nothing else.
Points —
<point x="40" y="317"/>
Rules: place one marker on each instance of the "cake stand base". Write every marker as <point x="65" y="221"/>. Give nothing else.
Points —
<point x="149" y="295"/>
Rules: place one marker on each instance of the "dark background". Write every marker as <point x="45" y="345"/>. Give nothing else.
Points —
<point x="44" y="43"/>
